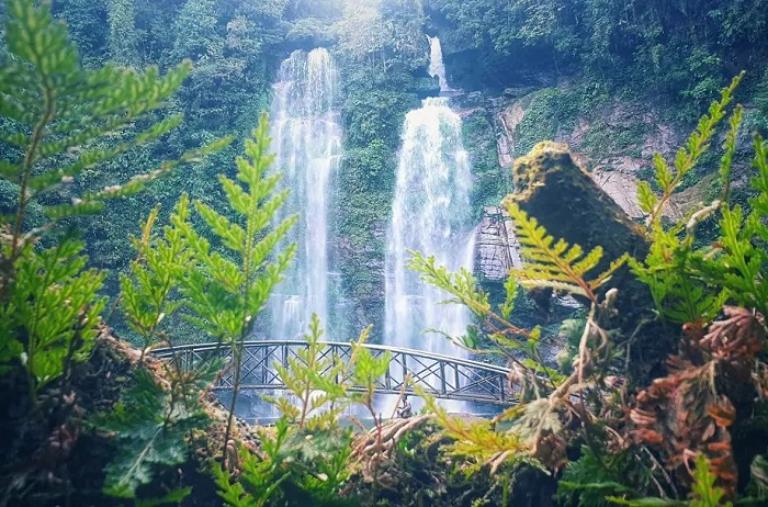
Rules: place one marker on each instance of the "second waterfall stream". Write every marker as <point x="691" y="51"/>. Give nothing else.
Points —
<point x="431" y="213"/>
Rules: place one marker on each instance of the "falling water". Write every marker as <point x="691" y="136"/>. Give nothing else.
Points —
<point x="307" y="143"/>
<point x="436" y="66"/>
<point x="431" y="213"/>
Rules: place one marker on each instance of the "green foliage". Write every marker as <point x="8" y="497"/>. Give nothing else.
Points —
<point x="150" y="427"/>
<point x="663" y="51"/>
<point x="738" y="263"/>
<point x="477" y="439"/>
<point x="669" y="178"/>
<point x="759" y="473"/>
<point x="537" y="422"/>
<point x="227" y="291"/>
<point x="57" y="111"/>
<point x="596" y="475"/>
<point x="196" y="29"/>
<point x="556" y="264"/>
<point x="690" y="283"/>
<point x="306" y="459"/>
<point x="294" y="469"/>
<point x="318" y="384"/>
<point x="123" y="39"/>
<point x="51" y="315"/>
<point x="56" y="115"/>
<point x="367" y="369"/>
<point x="505" y="338"/>
<point x="147" y="295"/>
<point x="549" y="112"/>
<point x="462" y="284"/>
<point x="311" y="381"/>
<point x="261" y="476"/>
<point x="704" y="492"/>
<point x="223" y="295"/>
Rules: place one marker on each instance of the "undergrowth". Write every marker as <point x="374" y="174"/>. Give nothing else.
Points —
<point x="583" y="426"/>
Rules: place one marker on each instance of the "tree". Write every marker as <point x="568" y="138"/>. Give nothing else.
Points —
<point x="123" y="40"/>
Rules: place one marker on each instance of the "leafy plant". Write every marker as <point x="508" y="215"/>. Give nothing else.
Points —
<point x="150" y="428"/>
<point x="536" y="424"/>
<point x="557" y="265"/>
<point x="57" y="111"/>
<point x="477" y="440"/>
<point x="56" y="118"/>
<point x="51" y="315"/>
<point x="687" y="409"/>
<point x="668" y="270"/>
<point x="293" y="468"/>
<point x="315" y="397"/>
<point x="225" y="292"/>
<point x="147" y="295"/>
<point x="260" y="476"/>
<point x="738" y="262"/>
<point x="596" y="475"/>
<point x="703" y="494"/>
<point x="310" y="455"/>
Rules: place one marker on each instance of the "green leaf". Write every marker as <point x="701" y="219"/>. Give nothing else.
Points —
<point x="645" y="197"/>
<point x="553" y="264"/>
<point x="150" y="432"/>
<point x="55" y="301"/>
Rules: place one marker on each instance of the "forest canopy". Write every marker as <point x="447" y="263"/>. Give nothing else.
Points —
<point x="384" y="252"/>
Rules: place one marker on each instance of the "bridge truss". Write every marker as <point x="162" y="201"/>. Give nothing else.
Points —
<point x="441" y="376"/>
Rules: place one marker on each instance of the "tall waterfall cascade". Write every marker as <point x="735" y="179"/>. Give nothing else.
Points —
<point x="307" y="142"/>
<point x="431" y="213"/>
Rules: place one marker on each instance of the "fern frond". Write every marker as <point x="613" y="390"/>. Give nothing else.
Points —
<point x="476" y="439"/>
<point x="688" y="156"/>
<point x="556" y="264"/>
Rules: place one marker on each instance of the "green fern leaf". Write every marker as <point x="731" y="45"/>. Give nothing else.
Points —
<point x="150" y="431"/>
<point x="555" y="264"/>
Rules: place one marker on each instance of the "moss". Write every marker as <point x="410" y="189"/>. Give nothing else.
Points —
<point x="603" y="138"/>
<point x="550" y="112"/>
<point x="492" y="183"/>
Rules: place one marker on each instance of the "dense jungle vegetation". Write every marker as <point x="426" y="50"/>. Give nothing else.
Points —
<point x="138" y="191"/>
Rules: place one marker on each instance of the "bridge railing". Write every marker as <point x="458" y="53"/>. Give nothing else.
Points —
<point x="439" y="375"/>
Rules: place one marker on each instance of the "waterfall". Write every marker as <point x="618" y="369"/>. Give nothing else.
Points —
<point x="431" y="213"/>
<point x="306" y="136"/>
<point x="436" y="66"/>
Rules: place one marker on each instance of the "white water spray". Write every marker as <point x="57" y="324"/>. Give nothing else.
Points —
<point x="307" y="143"/>
<point x="431" y="213"/>
<point x="436" y="65"/>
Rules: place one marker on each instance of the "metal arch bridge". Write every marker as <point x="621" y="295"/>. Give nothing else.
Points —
<point x="439" y="375"/>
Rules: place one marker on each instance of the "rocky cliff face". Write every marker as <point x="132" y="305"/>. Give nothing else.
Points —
<point x="615" y="143"/>
<point x="496" y="246"/>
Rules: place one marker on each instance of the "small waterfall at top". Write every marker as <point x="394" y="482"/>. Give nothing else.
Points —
<point x="436" y="65"/>
<point x="431" y="213"/>
<point x="306" y="136"/>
